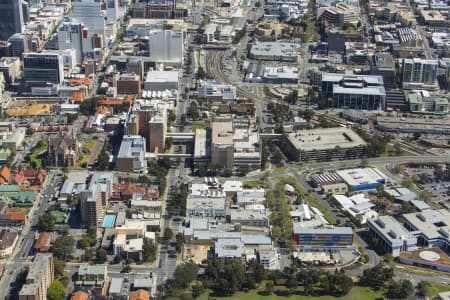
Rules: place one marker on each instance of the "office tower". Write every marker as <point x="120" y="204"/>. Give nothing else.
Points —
<point x="19" y="43"/>
<point x="43" y="67"/>
<point x="94" y="199"/>
<point x="136" y="66"/>
<point x="420" y="73"/>
<point x="112" y="10"/>
<point x="157" y="131"/>
<point x="11" y="18"/>
<point x="39" y="277"/>
<point x="71" y="36"/>
<point x="90" y="14"/>
<point x="166" y="46"/>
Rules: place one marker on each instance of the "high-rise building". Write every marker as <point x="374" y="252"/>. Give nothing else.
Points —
<point x="39" y="277"/>
<point x="19" y="43"/>
<point x="11" y="18"/>
<point x="94" y="199"/>
<point x="166" y="46"/>
<point x="112" y="10"/>
<point x="70" y="36"/>
<point x="90" y="14"/>
<point x="43" y="67"/>
<point x="157" y="131"/>
<point x="420" y="73"/>
<point x="131" y="156"/>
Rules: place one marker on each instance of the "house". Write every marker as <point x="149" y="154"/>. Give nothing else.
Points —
<point x="30" y="177"/>
<point x="8" y="241"/>
<point x="42" y="243"/>
<point x="5" y="175"/>
<point x="62" y="151"/>
<point x="140" y="295"/>
<point x="80" y="295"/>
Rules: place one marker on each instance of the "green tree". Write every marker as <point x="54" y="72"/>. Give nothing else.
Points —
<point x="56" y="290"/>
<point x="59" y="266"/>
<point x="168" y="234"/>
<point x="377" y="276"/>
<point x="424" y="289"/>
<point x="227" y="172"/>
<point x="86" y="241"/>
<point x="257" y="270"/>
<point x="149" y="252"/>
<point x="103" y="159"/>
<point x="292" y="284"/>
<point x="184" y="274"/>
<point x="399" y="289"/>
<point x="197" y="289"/>
<point x="46" y="222"/>
<point x="201" y="74"/>
<point x="63" y="247"/>
<point x="269" y="287"/>
<point x="101" y="256"/>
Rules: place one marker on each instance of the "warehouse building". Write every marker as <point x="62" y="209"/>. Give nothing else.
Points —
<point x="361" y="179"/>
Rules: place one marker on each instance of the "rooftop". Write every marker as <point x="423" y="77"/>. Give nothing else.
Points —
<point x="362" y="176"/>
<point x="432" y="224"/>
<point x="325" y="138"/>
<point x="162" y="76"/>
<point x="392" y="230"/>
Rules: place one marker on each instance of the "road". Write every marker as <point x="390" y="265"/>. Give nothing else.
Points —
<point x="19" y="258"/>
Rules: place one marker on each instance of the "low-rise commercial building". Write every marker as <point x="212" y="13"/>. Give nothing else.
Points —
<point x="131" y="156"/>
<point x="423" y="103"/>
<point x="391" y="235"/>
<point x="280" y="51"/>
<point x="205" y="206"/>
<point x="360" y="179"/>
<point x="246" y="217"/>
<point x="322" y="238"/>
<point x="324" y="144"/>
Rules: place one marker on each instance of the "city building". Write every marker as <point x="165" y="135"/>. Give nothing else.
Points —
<point x="42" y="243"/>
<point x="324" y="144"/>
<point x="409" y="37"/>
<point x="422" y="102"/>
<point x="431" y="227"/>
<point x="161" y="80"/>
<point x="11" y="18"/>
<point x="92" y="275"/>
<point x="157" y="131"/>
<point x="280" y="51"/>
<point x="322" y="238"/>
<point x="339" y="14"/>
<point x="91" y="15"/>
<point x="166" y="46"/>
<point x="391" y="235"/>
<point x="412" y="125"/>
<point x="205" y="206"/>
<point x="419" y="74"/>
<point x="8" y="241"/>
<point x="283" y="74"/>
<point x="234" y="147"/>
<point x="383" y="64"/>
<point x="359" y="206"/>
<point x="128" y="84"/>
<point x="131" y="156"/>
<point x="43" y="67"/>
<point x="136" y="66"/>
<point x="215" y="90"/>
<point x="74" y="36"/>
<point x="228" y="249"/>
<point x="11" y="67"/>
<point x="361" y="179"/>
<point x="329" y="183"/>
<point x="62" y="151"/>
<point x="247" y="217"/>
<point x="39" y="277"/>
<point x="94" y="198"/>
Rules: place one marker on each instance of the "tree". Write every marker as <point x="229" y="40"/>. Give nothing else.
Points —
<point x="168" y="234"/>
<point x="56" y="290"/>
<point x="269" y="288"/>
<point x="377" y="276"/>
<point x="101" y="256"/>
<point x="399" y="289"/>
<point x="63" y="247"/>
<point x="86" y="241"/>
<point x="257" y="270"/>
<point x="292" y="284"/>
<point x="149" y="252"/>
<point x="197" y="289"/>
<point x="227" y="172"/>
<point x="46" y="222"/>
<point x="184" y="274"/>
<point x="201" y="74"/>
<point x="424" y="289"/>
<point x="103" y="159"/>
<point x="59" y="266"/>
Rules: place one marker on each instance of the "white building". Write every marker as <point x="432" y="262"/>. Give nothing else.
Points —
<point x="90" y="14"/>
<point x="161" y="80"/>
<point x="70" y="36"/>
<point x="420" y="73"/>
<point x="166" y="46"/>
<point x="359" y="206"/>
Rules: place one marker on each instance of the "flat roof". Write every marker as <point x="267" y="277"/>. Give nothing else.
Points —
<point x="391" y="230"/>
<point x="432" y="224"/>
<point x="162" y="76"/>
<point x="298" y="229"/>
<point x="200" y="147"/>
<point x="222" y="133"/>
<point x="131" y="144"/>
<point x="275" y="49"/>
<point x="368" y="90"/>
<point x="362" y="176"/>
<point x="325" y="138"/>
<point x="336" y="77"/>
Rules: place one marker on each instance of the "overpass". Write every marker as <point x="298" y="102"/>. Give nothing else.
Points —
<point x="181" y="136"/>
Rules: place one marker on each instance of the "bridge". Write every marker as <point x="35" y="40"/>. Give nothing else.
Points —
<point x="181" y="137"/>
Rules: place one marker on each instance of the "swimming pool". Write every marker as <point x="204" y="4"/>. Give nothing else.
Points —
<point x="109" y="221"/>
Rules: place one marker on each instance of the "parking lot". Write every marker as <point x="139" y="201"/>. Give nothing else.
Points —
<point x="427" y="178"/>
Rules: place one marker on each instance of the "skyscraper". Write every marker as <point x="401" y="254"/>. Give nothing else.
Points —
<point x="11" y="18"/>
<point x="43" y="67"/>
<point x="166" y="46"/>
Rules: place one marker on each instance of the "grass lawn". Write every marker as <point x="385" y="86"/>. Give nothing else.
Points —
<point x="253" y="183"/>
<point x="90" y="145"/>
<point x="357" y="293"/>
<point x="436" y="288"/>
<point x="84" y="159"/>
<point x="199" y="125"/>
<point x="280" y="169"/>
